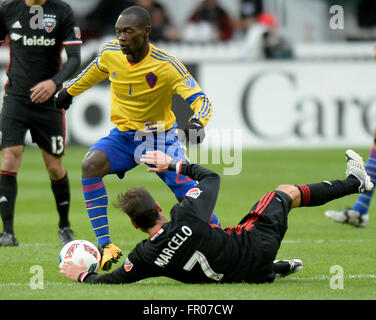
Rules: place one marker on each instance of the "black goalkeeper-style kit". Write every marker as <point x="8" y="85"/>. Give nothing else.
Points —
<point x="189" y="250"/>
<point x="36" y="36"/>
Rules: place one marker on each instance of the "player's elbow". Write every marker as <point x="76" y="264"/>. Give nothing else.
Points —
<point x="214" y="177"/>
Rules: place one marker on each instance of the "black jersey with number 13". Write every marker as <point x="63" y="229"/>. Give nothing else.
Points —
<point x="36" y="37"/>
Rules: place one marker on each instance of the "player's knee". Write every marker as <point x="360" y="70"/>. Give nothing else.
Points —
<point x="56" y="170"/>
<point x="95" y="164"/>
<point x="291" y="190"/>
<point x="11" y="159"/>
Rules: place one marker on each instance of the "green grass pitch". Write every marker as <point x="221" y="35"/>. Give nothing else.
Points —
<point x="320" y="243"/>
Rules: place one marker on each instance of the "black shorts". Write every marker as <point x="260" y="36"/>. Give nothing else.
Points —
<point x="266" y="225"/>
<point x="45" y="122"/>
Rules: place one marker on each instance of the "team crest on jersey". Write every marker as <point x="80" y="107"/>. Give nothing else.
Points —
<point x="151" y="79"/>
<point x="193" y="193"/>
<point x="49" y="24"/>
<point x="128" y="265"/>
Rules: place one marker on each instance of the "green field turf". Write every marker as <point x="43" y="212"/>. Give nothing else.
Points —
<point x="320" y="243"/>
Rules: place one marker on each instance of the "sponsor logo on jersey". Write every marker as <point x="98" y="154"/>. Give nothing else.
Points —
<point x="128" y="265"/>
<point x="38" y="41"/>
<point x="193" y="193"/>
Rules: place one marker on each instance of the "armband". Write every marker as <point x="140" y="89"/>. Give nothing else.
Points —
<point x="82" y="276"/>
<point x="175" y="165"/>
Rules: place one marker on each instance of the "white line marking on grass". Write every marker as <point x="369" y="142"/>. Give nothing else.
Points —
<point x="327" y="277"/>
<point x="47" y="283"/>
<point x="323" y="240"/>
<point x="40" y="244"/>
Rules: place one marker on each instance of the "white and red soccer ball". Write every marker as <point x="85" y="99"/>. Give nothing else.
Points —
<point x="84" y="250"/>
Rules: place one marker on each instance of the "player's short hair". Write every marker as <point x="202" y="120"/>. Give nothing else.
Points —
<point x="141" y="13"/>
<point x="140" y="206"/>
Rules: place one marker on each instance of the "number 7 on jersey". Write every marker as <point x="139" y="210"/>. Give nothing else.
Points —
<point x="204" y="263"/>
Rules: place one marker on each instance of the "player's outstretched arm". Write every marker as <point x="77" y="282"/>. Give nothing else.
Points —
<point x="202" y="199"/>
<point x="80" y="274"/>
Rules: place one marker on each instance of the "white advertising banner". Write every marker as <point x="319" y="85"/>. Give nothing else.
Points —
<point x="293" y="104"/>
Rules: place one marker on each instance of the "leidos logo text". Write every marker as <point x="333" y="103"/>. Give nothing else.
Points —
<point x="35" y="41"/>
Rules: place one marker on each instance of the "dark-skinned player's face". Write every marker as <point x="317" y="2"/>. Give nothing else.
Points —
<point x="131" y="33"/>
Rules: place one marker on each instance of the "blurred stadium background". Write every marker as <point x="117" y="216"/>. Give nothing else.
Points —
<point x="279" y="69"/>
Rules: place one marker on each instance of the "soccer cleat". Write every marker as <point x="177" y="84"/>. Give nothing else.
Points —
<point x="110" y="254"/>
<point x="355" y="167"/>
<point x="65" y="235"/>
<point x="8" y="240"/>
<point x="349" y="216"/>
<point x="286" y="267"/>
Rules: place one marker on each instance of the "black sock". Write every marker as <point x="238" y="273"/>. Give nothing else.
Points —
<point x="318" y="194"/>
<point x="61" y="191"/>
<point x="8" y="194"/>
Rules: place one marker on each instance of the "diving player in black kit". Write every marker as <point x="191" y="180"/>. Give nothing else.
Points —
<point x="189" y="250"/>
<point x="37" y="31"/>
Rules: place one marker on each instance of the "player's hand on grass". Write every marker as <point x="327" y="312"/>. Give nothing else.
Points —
<point x="158" y="159"/>
<point x="63" y="99"/>
<point x="194" y="131"/>
<point x="72" y="270"/>
<point x="42" y="91"/>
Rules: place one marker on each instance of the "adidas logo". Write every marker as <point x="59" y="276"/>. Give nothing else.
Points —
<point x="3" y="199"/>
<point x="16" y="25"/>
<point x="15" y="36"/>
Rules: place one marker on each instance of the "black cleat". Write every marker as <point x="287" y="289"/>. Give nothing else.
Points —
<point x="284" y="268"/>
<point x="65" y="235"/>
<point x="8" y="240"/>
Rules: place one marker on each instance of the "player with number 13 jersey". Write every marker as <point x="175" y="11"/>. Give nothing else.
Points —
<point x="36" y="31"/>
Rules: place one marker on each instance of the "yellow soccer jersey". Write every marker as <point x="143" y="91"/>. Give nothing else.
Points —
<point x="141" y="93"/>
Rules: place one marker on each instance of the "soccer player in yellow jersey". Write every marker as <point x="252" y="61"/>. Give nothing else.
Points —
<point x="143" y="80"/>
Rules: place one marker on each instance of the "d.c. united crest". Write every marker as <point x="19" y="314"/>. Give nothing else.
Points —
<point x="49" y="24"/>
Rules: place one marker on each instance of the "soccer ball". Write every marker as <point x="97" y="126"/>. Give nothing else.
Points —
<point x="81" y="249"/>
